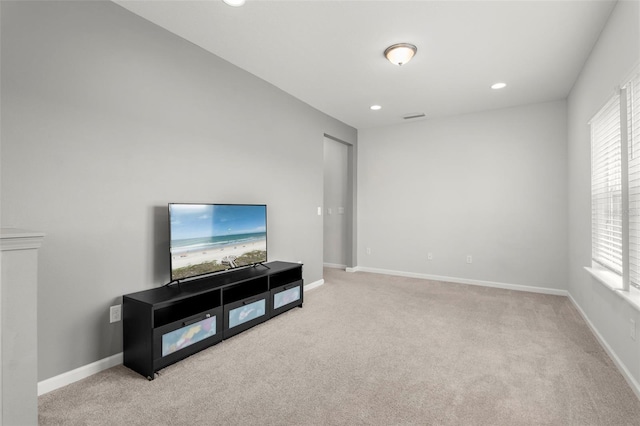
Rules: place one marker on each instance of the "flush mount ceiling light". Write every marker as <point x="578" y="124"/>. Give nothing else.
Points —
<point x="375" y="107"/>
<point x="234" y="3"/>
<point x="499" y="86"/>
<point x="401" y="53"/>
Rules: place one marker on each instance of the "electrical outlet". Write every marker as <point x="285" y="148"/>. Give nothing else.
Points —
<point x="469" y="259"/>
<point x="115" y="313"/>
<point x="368" y="250"/>
<point x="632" y="329"/>
<point x="429" y="256"/>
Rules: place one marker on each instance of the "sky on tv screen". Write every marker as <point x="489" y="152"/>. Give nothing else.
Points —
<point x="208" y="220"/>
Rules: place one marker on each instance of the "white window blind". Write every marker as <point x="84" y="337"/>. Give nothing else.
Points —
<point x="606" y="187"/>
<point x="632" y="91"/>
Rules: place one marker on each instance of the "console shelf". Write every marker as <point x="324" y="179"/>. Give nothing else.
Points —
<point x="164" y="325"/>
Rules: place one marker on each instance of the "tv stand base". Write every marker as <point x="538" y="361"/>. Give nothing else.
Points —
<point x="164" y="325"/>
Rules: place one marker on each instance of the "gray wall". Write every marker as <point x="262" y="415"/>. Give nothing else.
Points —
<point x="611" y="61"/>
<point x="105" y="119"/>
<point x="490" y="184"/>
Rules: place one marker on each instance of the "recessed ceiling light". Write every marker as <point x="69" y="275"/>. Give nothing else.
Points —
<point x="375" y="107"/>
<point x="499" y="86"/>
<point x="234" y="3"/>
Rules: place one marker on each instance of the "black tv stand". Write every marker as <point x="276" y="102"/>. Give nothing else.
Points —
<point x="164" y="325"/>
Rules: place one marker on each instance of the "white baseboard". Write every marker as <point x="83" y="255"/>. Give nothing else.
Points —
<point x="517" y="287"/>
<point x="313" y="285"/>
<point x="633" y="383"/>
<point x="334" y="265"/>
<point x="79" y="373"/>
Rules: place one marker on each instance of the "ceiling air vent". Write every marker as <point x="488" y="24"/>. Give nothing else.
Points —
<point x="414" y="116"/>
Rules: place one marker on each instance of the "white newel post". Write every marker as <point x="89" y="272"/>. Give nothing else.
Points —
<point x="18" y="326"/>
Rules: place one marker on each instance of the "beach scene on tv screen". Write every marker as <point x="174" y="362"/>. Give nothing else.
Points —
<point x="207" y="238"/>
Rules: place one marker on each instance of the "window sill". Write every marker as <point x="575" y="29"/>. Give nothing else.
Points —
<point x="614" y="283"/>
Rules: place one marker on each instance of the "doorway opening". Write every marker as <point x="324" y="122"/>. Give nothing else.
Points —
<point x="339" y="204"/>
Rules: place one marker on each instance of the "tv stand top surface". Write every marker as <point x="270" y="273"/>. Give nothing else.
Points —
<point x="207" y="283"/>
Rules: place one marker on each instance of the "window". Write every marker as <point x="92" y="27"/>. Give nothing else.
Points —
<point x="632" y="91"/>
<point x="615" y="185"/>
<point x="606" y="187"/>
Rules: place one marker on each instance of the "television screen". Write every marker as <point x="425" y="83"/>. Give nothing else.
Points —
<point x="207" y="238"/>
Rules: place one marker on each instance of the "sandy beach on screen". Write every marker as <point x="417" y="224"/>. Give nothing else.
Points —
<point x="196" y="257"/>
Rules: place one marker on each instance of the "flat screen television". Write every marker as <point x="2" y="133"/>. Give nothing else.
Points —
<point x="208" y="238"/>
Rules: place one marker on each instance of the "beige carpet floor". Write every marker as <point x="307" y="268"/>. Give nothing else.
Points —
<point x="370" y="349"/>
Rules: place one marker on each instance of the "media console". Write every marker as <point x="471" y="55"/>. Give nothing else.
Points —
<point x="166" y="324"/>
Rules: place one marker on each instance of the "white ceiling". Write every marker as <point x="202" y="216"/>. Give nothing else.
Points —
<point x="329" y="53"/>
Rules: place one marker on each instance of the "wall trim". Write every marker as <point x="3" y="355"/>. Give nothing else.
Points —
<point x="79" y="373"/>
<point x="635" y="386"/>
<point x="633" y="383"/>
<point x="313" y="285"/>
<point x="83" y="372"/>
<point x="334" y="265"/>
<point x="506" y="286"/>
